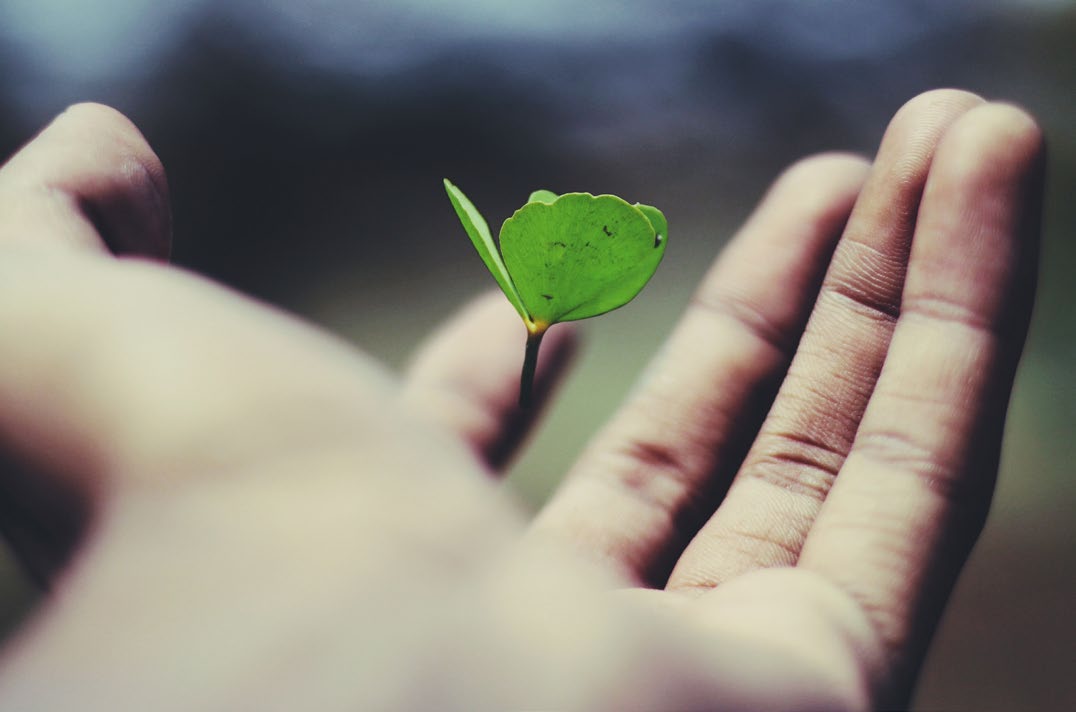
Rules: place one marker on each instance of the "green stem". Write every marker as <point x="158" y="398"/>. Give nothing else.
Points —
<point x="530" y="363"/>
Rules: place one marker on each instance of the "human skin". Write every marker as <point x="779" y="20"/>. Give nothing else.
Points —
<point x="231" y="509"/>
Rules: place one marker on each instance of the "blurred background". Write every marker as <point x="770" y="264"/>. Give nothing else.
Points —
<point x="305" y="144"/>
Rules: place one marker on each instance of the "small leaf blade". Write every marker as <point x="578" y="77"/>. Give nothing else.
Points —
<point x="482" y="239"/>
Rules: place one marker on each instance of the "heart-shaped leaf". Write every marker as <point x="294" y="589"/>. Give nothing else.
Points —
<point x="580" y="255"/>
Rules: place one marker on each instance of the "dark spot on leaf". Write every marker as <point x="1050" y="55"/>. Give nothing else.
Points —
<point x="587" y="245"/>
<point x="548" y="297"/>
<point x="558" y="243"/>
<point x="605" y="229"/>
<point x="657" y="240"/>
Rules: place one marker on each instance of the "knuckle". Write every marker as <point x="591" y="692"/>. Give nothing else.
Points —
<point x="867" y="292"/>
<point x="797" y="464"/>
<point x="655" y="472"/>
<point x="898" y="448"/>
<point x="903" y="451"/>
<point x="946" y="309"/>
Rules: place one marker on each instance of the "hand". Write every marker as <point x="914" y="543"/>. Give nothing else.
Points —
<point x="238" y="512"/>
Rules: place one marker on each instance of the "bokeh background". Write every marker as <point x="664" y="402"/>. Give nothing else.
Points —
<point x="306" y="141"/>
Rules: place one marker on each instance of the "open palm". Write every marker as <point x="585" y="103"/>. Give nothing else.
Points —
<point x="238" y="512"/>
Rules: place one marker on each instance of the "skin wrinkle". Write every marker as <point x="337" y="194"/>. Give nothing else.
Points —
<point x="814" y="463"/>
<point x="652" y="478"/>
<point x="868" y="274"/>
<point x="766" y="550"/>
<point x="864" y="295"/>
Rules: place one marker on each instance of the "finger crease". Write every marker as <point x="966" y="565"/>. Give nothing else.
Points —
<point x="900" y="452"/>
<point x="948" y="311"/>
<point x="656" y="476"/>
<point x="798" y="464"/>
<point x="864" y="300"/>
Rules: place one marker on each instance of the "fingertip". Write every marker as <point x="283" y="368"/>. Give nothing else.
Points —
<point x="980" y="222"/>
<point x="100" y="180"/>
<point x="489" y="321"/>
<point x="466" y="376"/>
<point x="490" y="309"/>
<point x="912" y="137"/>
<point x="101" y="118"/>
<point x="936" y="101"/>
<point x="135" y="215"/>
<point x="797" y="223"/>
<point x="805" y="173"/>
<point x="821" y="187"/>
<point x="1003" y="136"/>
<point x="103" y="123"/>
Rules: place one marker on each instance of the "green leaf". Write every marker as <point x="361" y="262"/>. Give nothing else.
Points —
<point x="566" y="257"/>
<point x="542" y="196"/>
<point x="478" y="230"/>
<point x="581" y="255"/>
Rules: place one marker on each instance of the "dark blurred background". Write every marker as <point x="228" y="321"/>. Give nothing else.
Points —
<point x="305" y="144"/>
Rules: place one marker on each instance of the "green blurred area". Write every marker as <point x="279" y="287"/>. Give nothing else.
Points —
<point x="321" y="192"/>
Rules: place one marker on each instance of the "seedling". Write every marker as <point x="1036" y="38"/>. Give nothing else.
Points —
<point x="566" y="257"/>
